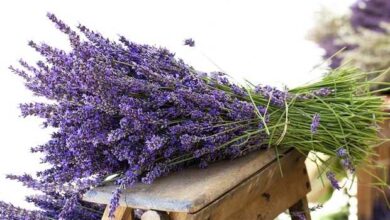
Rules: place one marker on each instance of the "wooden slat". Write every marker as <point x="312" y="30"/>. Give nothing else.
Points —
<point x="121" y="213"/>
<point x="387" y="103"/>
<point x="178" y="215"/>
<point x="263" y="196"/>
<point x="365" y="195"/>
<point x="368" y="195"/>
<point x="188" y="190"/>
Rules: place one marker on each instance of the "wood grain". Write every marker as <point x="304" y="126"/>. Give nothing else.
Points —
<point x="121" y="213"/>
<point x="368" y="195"/>
<point x="263" y="196"/>
<point x="387" y="103"/>
<point x="191" y="189"/>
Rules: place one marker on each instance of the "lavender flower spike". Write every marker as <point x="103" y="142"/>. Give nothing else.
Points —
<point x="342" y="152"/>
<point x="332" y="178"/>
<point x="346" y="160"/>
<point x="347" y="164"/>
<point x="323" y="92"/>
<point x="315" y="123"/>
<point x="114" y="203"/>
<point x="189" y="42"/>
<point x="299" y="215"/>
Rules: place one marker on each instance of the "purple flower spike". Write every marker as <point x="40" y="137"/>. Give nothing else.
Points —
<point x="70" y="204"/>
<point x="323" y="92"/>
<point x="370" y="14"/>
<point x="299" y="215"/>
<point x="347" y="164"/>
<point x="277" y="97"/>
<point x="346" y="160"/>
<point x="9" y="211"/>
<point x="315" y="123"/>
<point x="189" y="42"/>
<point x="239" y="90"/>
<point x="332" y="178"/>
<point x="319" y="206"/>
<point x="342" y="152"/>
<point x="154" y="143"/>
<point x="114" y="203"/>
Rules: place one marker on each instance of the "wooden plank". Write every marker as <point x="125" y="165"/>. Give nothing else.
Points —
<point x="364" y="195"/>
<point x="178" y="215"/>
<point x="121" y="213"/>
<point x="387" y="103"/>
<point x="368" y="195"/>
<point x="188" y="190"/>
<point x="263" y="196"/>
<point x="106" y="213"/>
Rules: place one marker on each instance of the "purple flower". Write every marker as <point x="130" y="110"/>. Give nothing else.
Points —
<point x="314" y="208"/>
<point x="299" y="215"/>
<point x="69" y="206"/>
<point x="155" y="143"/>
<point x="157" y="171"/>
<point x="276" y="96"/>
<point x="369" y="14"/>
<point x="189" y="42"/>
<point x="333" y="181"/>
<point x="188" y="141"/>
<point x="323" y="92"/>
<point x="347" y="164"/>
<point x="9" y="211"/>
<point x="239" y="91"/>
<point x="346" y="161"/>
<point x="114" y="203"/>
<point x="366" y="14"/>
<point x="302" y="216"/>
<point x="342" y="152"/>
<point x="201" y="152"/>
<point x="315" y="123"/>
<point x="128" y="109"/>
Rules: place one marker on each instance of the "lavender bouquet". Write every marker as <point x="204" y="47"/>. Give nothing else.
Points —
<point x="134" y="112"/>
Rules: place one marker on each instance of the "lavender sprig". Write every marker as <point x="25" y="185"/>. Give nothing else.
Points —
<point x="315" y="123"/>
<point x="333" y="181"/>
<point x="189" y="42"/>
<point x="346" y="161"/>
<point x="114" y="203"/>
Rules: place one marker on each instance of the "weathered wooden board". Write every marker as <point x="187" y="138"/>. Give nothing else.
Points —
<point x="368" y="195"/>
<point x="262" y="196"/>
<point x="121" y="213"/>
<point x="191" y="189"/>
<point x="387" y="103"/>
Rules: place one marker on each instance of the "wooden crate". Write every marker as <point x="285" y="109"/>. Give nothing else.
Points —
<point x="250" y="187"/>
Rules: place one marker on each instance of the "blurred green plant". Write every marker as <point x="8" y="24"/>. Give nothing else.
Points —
<point x="364" y="48"/>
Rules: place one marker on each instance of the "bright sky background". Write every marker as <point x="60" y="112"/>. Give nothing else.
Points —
<point x="262" y="41"/>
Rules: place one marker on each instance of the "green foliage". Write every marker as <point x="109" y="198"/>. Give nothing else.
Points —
<point x="372" y="53"/>
<point x="367" y="49"/>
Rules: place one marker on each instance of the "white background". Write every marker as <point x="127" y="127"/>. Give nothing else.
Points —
<point x="262" y="41"/>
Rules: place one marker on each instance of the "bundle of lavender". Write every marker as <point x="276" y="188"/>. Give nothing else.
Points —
<point x="134" y="112"/>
